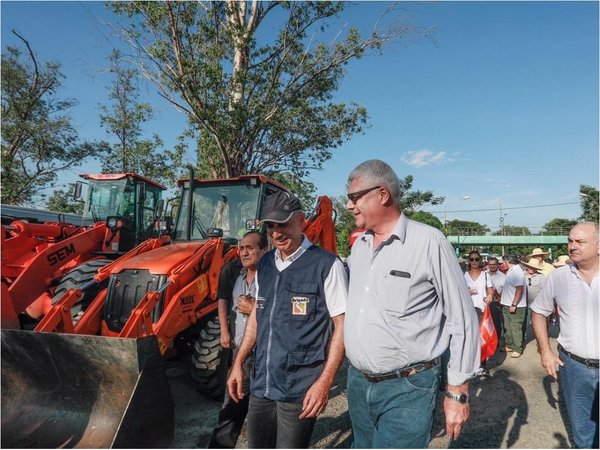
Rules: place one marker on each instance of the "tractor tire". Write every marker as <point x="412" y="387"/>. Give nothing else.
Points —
<point x="210" y="361"/>
<point x="78" y="277"/>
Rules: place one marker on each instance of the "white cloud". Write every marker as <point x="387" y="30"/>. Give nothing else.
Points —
<point x="422" y="158"/>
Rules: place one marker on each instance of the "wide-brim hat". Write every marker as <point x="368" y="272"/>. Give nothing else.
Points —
<point x="538" y="252"/>
<point x="534" y="263"/>
<point x="562" y="260"/>
<point x="279" y="207"/>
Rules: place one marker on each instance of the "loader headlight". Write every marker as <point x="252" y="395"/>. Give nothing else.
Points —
<point x="111" y="222"/>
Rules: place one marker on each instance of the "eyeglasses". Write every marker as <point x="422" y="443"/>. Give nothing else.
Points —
<point x="355" y="196"/>
<point x="474" y="259"/>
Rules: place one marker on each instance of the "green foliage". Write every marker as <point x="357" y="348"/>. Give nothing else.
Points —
<point x="465" y="228"/>
<point x="259" y="101"/>
<point x="62" y="201"/>
<point x="304" y="190"/>
<point x="38" y="139"/>
<point x="559" y="226"/>
<point x="589" y="203"/>
<point x="344" y="225"/>
<point x="123" y="121"/>
<point x="428" y="219"/>
<point x="413" y="200"/>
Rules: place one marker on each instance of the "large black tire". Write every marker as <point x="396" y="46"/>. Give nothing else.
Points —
<point x="78" y="277"/>
<point x="209" y="361"/>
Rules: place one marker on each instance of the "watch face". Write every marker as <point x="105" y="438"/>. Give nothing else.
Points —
<point x="462" y="398"/>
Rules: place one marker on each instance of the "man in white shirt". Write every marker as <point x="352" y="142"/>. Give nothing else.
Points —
<point x="514" y="306"/>
<point x="574" y="288"/>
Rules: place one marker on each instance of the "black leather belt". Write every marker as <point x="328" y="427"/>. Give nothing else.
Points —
<point x="587" y="361"/>
<point x="401" y="373"/>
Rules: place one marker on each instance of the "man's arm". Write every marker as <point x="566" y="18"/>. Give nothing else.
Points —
<point x="516" y="299"/>
<point x="223" y="305"/>
<point x="317" y="395"/>
<point x="236" y="377"/>
<point x="548" y="357"/>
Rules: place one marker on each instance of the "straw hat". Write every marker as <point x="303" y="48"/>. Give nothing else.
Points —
<point x="562" y="260"/>
<point x="538" y="252"/>
<point x="533" y="263"/>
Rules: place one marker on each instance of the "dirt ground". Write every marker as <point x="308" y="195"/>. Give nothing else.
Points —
<point x="517" y="407"/>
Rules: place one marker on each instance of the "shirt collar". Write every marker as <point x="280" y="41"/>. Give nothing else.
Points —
<point x="398" y="232"/>
<point x="304" y="245"/>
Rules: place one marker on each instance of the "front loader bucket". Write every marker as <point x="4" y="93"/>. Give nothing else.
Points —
<point x="76" y="391"/>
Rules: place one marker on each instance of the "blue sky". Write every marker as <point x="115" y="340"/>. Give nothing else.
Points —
<point x="504" y="109"/>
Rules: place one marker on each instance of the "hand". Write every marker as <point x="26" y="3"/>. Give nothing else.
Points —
<point x="235" y="383"/>
<point x="225" y="338"/>
<point x="512" y="309"/>
<point x="473" y="291"/>
<point x="550" y="361"/>
<point x="487" y="299"/>
<point x="315" y="400"/>
<point x="456" y="416"/>
<point x="245" y="304"/>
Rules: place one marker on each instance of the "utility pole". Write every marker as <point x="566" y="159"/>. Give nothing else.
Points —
<point x="502" y="216"/>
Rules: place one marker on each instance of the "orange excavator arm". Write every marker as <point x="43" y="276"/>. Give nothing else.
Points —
<point x="319" y="228"/>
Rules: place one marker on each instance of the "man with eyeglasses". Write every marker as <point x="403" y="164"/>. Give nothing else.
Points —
<point x="407" y="303"/>
<point x="498" y="279"/>
<point x="297" y="328"/>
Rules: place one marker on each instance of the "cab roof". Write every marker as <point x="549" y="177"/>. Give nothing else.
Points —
<point x="120" y="176"/>
<point x="262" y="179"/>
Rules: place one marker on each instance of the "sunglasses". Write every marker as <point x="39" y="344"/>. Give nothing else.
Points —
<point x="355" y="196"/>
<point x="473" y="259"/>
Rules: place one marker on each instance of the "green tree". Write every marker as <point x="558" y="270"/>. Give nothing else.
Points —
<point x="344" y="225"/>
<point x="38" y="139"/>
<point x="253" y="79"/>
<point x="411" y="201"/>
<point x="589" y="203"/>
<point x="465" y="228"/>
<point x="63" y="201"/>
<point x="123" y="120"/>
<point x="558" y="226"/>
<point x="428" y="219"/>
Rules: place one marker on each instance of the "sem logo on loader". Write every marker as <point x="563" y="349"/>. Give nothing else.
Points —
<point x="60" y="254"/>
<point x="186" y="299"/>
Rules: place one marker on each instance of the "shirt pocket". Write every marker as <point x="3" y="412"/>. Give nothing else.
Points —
<point x="301" y="300"/>
<point x="393" y="292"/>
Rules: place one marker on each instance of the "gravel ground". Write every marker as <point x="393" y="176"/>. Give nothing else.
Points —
<point x="517" y="407"/>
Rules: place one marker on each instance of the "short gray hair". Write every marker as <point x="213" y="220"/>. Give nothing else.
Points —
<point x="375" y="172"/>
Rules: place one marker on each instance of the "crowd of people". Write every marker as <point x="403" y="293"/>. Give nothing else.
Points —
<point x="403" y="313"/>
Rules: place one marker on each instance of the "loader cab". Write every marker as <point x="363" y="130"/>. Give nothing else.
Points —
<point x="124" y="201"/>
<point x="226" y="208"/>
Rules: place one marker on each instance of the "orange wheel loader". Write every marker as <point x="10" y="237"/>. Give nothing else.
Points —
<point x="105" y="368"/>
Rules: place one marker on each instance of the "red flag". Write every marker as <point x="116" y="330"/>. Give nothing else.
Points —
<point x="489" y="338"/>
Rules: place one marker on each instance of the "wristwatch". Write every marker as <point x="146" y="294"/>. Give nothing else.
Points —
<point x="460" y="398"/>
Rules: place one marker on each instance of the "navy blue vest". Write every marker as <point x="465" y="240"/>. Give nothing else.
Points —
<point x="294" y="325"/>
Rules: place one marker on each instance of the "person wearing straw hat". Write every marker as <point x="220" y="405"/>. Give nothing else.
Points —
<point x="535" y="279"/>
<point x="561" y="261"/>
<point x="541" y="255"/>
<point x="575" y="289"/>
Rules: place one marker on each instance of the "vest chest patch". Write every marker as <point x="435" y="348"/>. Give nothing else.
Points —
<point x="300" y="306"/>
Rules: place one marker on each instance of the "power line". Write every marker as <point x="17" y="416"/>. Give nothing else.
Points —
<point x="504" y="208"/>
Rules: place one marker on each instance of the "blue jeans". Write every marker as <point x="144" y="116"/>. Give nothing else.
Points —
<point x="396" y="413"/>
<point x="579" y="385"/>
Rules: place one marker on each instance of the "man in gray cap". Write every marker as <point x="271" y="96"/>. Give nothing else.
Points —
<point x="297" y="328"/>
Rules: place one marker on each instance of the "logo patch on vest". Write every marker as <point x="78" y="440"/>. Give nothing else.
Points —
<point x="299" y="306"/>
